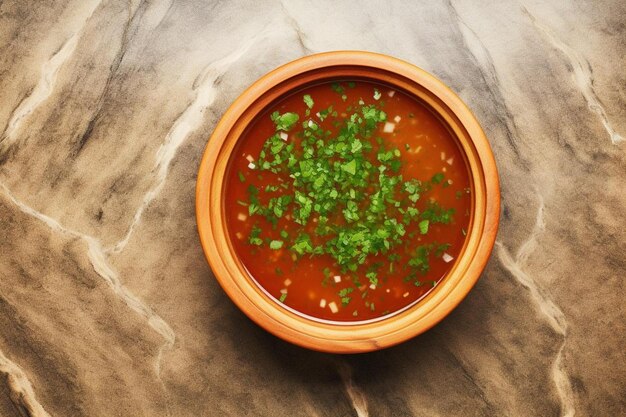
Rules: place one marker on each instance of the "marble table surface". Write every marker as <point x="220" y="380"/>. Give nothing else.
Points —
<point x="107" y="305"/>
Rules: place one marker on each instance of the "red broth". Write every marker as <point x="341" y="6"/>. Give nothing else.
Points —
<point x="315" y="284"/>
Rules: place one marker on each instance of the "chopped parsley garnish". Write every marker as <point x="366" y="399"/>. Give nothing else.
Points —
<point x="276" y="244"/>
<point x="284" y="121"/>
<point x="343" y="194"/>
<point x="343" y="294"/>
<point x="308" y="101"/>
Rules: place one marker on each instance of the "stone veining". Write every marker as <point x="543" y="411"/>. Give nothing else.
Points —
<point x="39" y="94"/>
<point x="583" y="76"/>
<point x="190" y="120"/>
<point x="20" y="389"/>
<point x="356" y="396"/>
<point x="296" y="27"/>
<point x="44" y="87"/>
<point x="484" y="61"/>
<point x="98" y="259"/>
<point x="498" y="57"/>
<point x="115" y="64"/>
<point x="553" y="314"/>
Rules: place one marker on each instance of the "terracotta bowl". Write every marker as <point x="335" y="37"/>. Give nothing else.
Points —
<point x="344" y="337"/>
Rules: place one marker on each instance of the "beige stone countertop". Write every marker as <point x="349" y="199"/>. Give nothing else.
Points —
<point x="108" y="307"/>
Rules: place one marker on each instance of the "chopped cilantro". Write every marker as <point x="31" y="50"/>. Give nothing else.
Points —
<point x="284" y="121"/>
<point x="343" y="293"/>
<point x="254" y="238"/>
<point x="437" y="178"/>
<point x="276" y="244"/>
<point x="308" y="101"/>
<point x="423" y="225"/>
<point x="350" y="167"/>
<point x="343" y="191"/>
<point x="337" y="88"/>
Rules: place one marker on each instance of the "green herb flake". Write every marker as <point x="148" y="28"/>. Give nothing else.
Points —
<point x="308" y="101"/>
<point x="255" y="234"/>
<point x="242" y="178"/>
<point x="343" y="294"/>
<point x="284" y="121"/>
<point x="437" y="178"/>
<point x="276" y="244"/>
<point x="337" y="88"/>
<point x="423" y="225"/>
<point x="350" y="167"/>
<point x="342" y="195"/>
<point x="283" y="297"/>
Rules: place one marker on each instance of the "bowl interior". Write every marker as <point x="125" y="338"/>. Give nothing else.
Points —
<point x="296" y="89"/>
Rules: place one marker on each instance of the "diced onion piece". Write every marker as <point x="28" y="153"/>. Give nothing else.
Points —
<point x="406" y="294"/>
<point x="333" y="307"/>
<point x="372" y="287"/>
<point x="446" y="257"/>
<point x="337" y="278"/>
<point x="287" y="282"/>
<point x="389" y="127"/>
<point x="322" y="303"/>
<point x="443" y="156"/>
<point x="390" y="93"/>
<point x="242" y="217"/>
<point x="311" y="123"/>
<point x="416" y="150"/>
<point x="397" y="119"/>
<point x="251" y="165"/>
<point x="283" y="291"/>
<point x="284" y="136"/>
<point x="388" y="290"/>
<point x="250" y="158"/>
<point x="239" y="235"/>
<point x="450" y="161"/>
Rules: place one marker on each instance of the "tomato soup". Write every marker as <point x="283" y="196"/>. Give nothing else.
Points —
<point x="347" y="201"/>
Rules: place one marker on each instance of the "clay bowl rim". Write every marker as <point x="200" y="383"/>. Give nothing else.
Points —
<point x="345" y="337"/>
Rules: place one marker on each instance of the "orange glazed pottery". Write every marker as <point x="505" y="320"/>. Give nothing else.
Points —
<point x="348" y="337"/>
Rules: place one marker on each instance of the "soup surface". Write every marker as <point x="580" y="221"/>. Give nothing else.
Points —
<point x="347" y="201"/>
